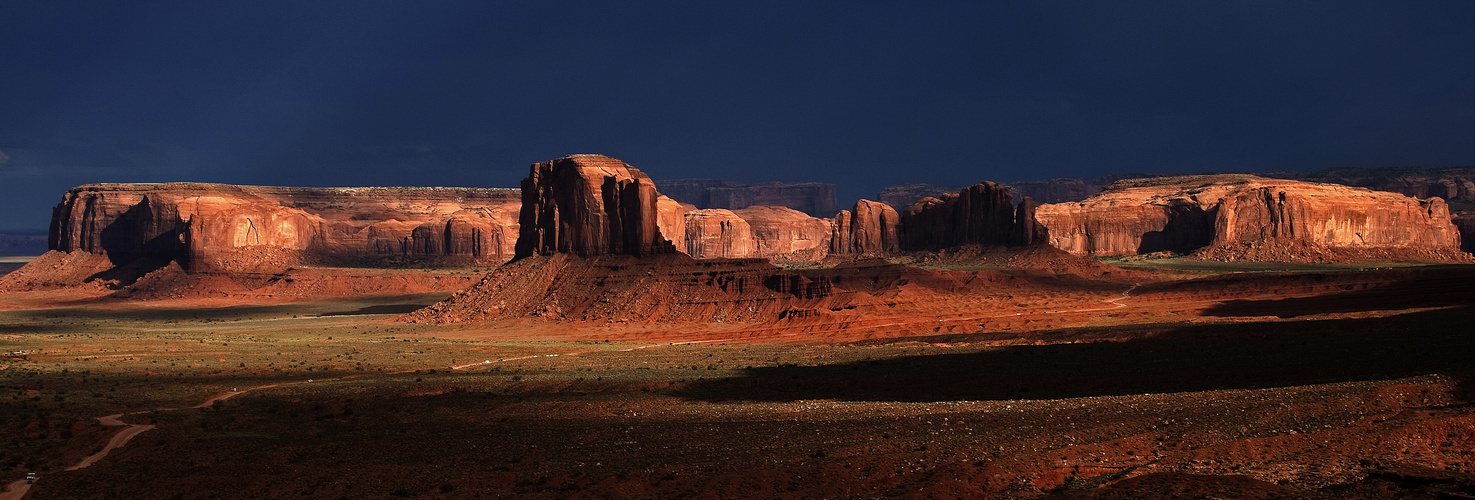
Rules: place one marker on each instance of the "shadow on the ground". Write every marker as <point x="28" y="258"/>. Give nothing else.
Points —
<point x="1427" y="291"/>
<point x="380" y="309"/>
<point x="388" y="304"/>
<point x="1163" y="359"/>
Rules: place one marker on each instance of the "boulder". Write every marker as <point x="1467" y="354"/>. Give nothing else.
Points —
<point x="589" y="205"/>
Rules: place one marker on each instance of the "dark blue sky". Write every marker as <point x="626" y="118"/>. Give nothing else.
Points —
<point x="862" y="94"/>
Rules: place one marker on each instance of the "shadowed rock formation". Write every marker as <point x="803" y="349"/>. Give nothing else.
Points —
<point x="589" y="205"/>
<point x="1466" y="225"/>
<point x="814" y="198"/>
<point x="1244" y="217"/>
<point x="981" y="214"/>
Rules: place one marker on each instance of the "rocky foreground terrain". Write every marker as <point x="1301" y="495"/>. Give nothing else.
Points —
<point x="1250" y="338"/>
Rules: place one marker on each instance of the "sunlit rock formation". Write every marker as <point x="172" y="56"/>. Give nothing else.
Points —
<point x="207" y="226"/>
<point x="589" y="205"/>
<point x="870" y="228"/>
<point x="1244" y="217"/>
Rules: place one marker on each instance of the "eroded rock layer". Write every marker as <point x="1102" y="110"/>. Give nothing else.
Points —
<point x="662" y="288"/>
<point x="589" y="205"/>
<point x="1244" y="217"/>
<point x="208" y="226"/>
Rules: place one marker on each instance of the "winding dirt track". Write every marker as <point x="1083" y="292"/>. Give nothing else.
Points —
<point x="17" y="489"/>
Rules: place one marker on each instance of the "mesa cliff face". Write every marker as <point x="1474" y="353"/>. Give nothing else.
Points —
<point x="717" y="233"/>
<point x="589" y="205"/>
<point x="981" y="214"/>
<point x="870" y="228"/>
<point x="1244" y="217"/>
<point x="207" y="226"/>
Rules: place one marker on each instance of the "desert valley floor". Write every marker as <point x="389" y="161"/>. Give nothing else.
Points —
<point x="1174" y="379"/>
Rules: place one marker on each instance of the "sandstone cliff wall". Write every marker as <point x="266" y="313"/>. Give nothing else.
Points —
<point x="1466" y="225"/>
<point x="777" y="233"/>
<point x="982" y="214"/>
<point x="718" y="233"/>
<point x="870" y="228"/>
<point x="206" y="225"/>
<point x="786" y="234"/>
<point x="1243" y="217"/>
<point x="589" y="205"/>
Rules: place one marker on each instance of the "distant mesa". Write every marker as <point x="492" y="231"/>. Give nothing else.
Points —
<point x="135" y="229"/>
<point x="814" y="198"/>
<point x="1058" y="190"/>
<point x="1455" y="185"/>
<point x="592" y="206"/>
<point x="1246" y="217"/>
<point x="203" y="225"/>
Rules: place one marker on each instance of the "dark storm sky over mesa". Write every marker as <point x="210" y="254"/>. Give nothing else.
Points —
<point x="862" y="94"/>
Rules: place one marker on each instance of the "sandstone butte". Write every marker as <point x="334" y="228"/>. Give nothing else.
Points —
<point x="589" y="205"/>
<point x="1245" y="217"/>
<point x="981" y="214"/>
<point x="222" y="227"/>
<point x="870" y="228"/>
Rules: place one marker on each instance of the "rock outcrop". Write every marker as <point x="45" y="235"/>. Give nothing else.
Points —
<point x="785" y="234"/>
<point x="671" y="219"/>
<point x="981" y="214"/>
<point x="1244" y="217"/>
<point x="207" y="226"/>
<point x="1466" y="225"/>
<point x="589" y="205"/>
<point x="814" y="198"/>
<point x="775" y="233"/>
<point x="620" y="288"/>
<point x="870" y="228"/>
<point x="718" y="233"/>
